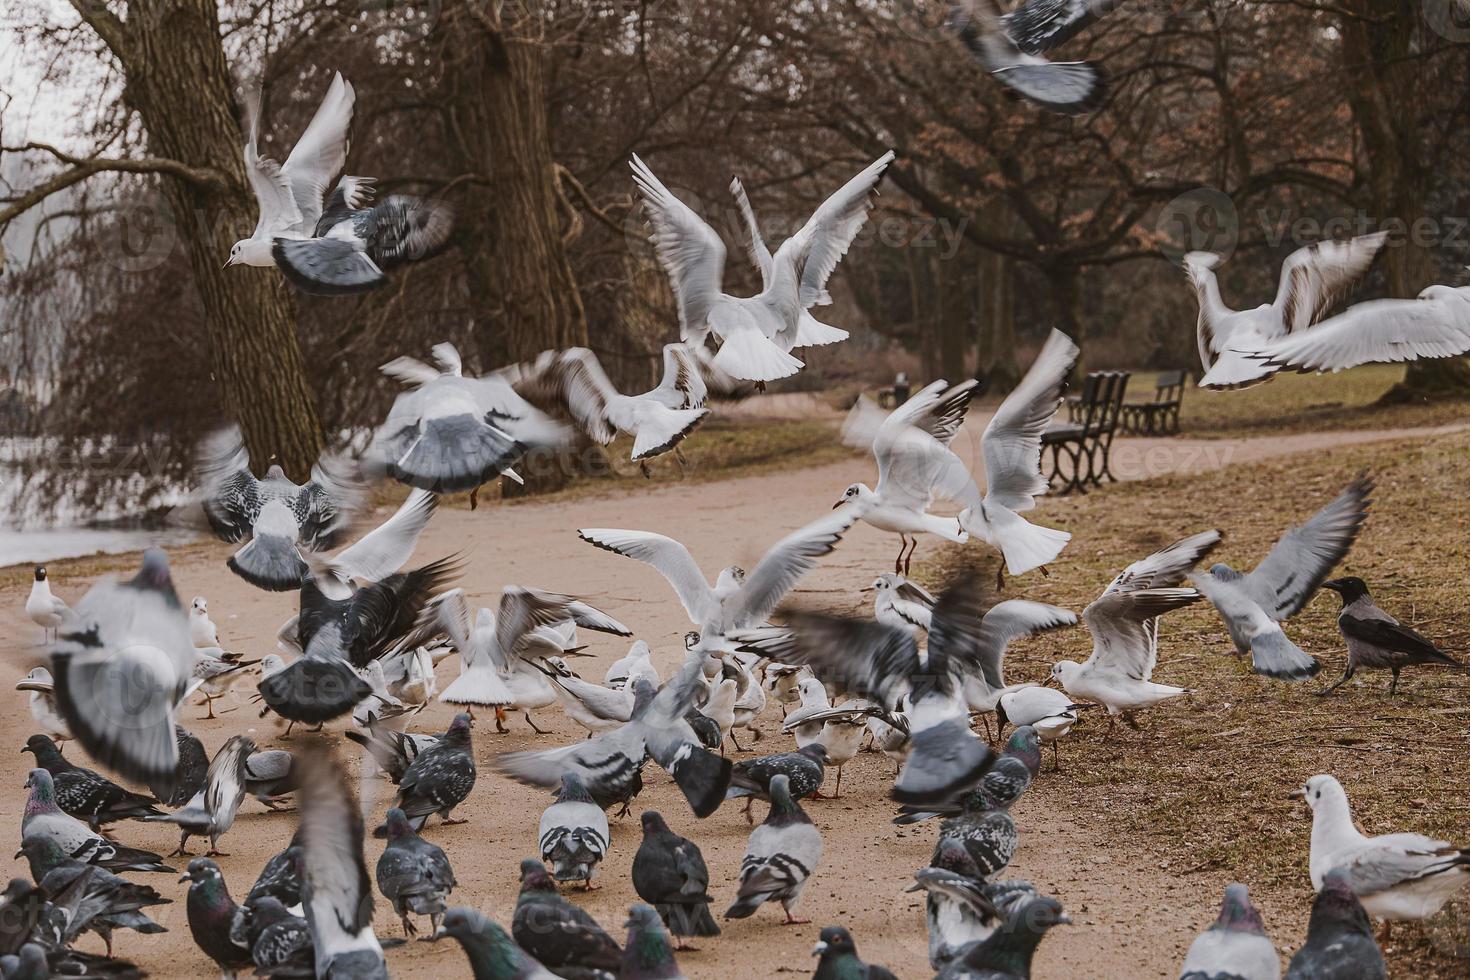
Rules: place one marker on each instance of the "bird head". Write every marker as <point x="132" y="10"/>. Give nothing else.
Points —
<point x="854" y="493"/>
<point x="1350" y="587"/>
<point x="250" y="251"/>
<point x="1320" y="790"/>
<point x="1064" y="670"/>
<point x="40" y="573"/>
<point x="200" y="870"/>
<point x="833" y="939"/>
<point x="200" y="604"/>
<point x="653" y="822"/>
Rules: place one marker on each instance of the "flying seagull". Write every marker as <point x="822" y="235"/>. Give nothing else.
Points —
<point x="1124" y="623"/>
<point x="1253" y="605"/>
<point x="277" y="518"/>
<point x="1377" y="640"/>
<point x="1009" y="47"/>
<point x="1312" y="279"/>
<point x="755" y="332"/>
<point x="916" y="466"/>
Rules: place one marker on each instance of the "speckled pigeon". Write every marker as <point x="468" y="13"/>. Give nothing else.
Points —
<point x="281" y="944"/>
<point x="573" y="833"/>
<point x="1235" y="946"/>
<point x="648" y="954"/>
<point x="414" y="874"/>
<point x="1007" y="954"/>
<point x="1001" y="785"/>
<point x="839" y="958"/>
<point x="85" y="794"/>
<point x="669" y="873"/>
<point x="780" y="856"/>
<point x="563" y="937"/>
<point x="281" y="876"/>
<point x="961" y="907"/>
<point x="988" y="835"/>
<point x="1340" y="943"/>
<point x="190" y="775"/>
<point x="107" y="901"/>
<point x="493" y="955"/>
<point x="804" y="769"/>
<point x="439" y="779"/>
<point x="211" y="913"/>
<point x="43" y="818"/>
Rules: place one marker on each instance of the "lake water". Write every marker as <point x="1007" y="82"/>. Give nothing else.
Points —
<point x="37" y="546"/>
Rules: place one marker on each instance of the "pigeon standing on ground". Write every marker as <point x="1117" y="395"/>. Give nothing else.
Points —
<point x="413" y="874"/>
<point x="559" y="934"/>
<point x="270" y="775"/>
<point x="840" y="961"/>
<point x="42" y="698"/>
<point x="85" y="794"/>
<point x="44" y="609"/>
<point x="779" y="858"/>
<point x="961" y="907"/>
<point x="391" y="751"/>
<point x="669" y="873"/>
<point x="440" y="778"/>
<point x="1396" y="876"/>
<point x="43" y="818"/>
<point x="573" y="833"/>
<point x="804" y="769"/>
<point x="492" y="954"/>
<point x="1124" y="623"/>
<point x="282" y="941"/>
<point x="989" y="836"/>
<point x="1377" y="640"/>
<point x="1254" y="605"/>
<point x="1007" y="953"/>
<point x="106" y="901"/>
<point x="648" y="954"/>
<point x="211" y="913"/>
<point x="190" y="775"/>
<point x="202" y="632"/>
<point x="1340" y="943"/>
<point x="1235" y="947"/>
<point x="212" y="810"/>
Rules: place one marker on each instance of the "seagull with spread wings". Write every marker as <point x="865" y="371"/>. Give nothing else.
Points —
<point x="1255" y="604"/>
<point x="1312" y="278"/>
<point x="1124" y="622"/>
<point x="755" y="332"/>
<point x="916" y="466"/>
<point x="280" y="519"/>
<point x="736" y="600"/>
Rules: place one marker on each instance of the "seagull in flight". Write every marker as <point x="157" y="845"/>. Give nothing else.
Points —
<point x="756" y="332"/>
<point x="1312" y="278"/>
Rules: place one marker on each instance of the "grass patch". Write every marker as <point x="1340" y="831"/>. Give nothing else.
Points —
<point x="1205" y="784"/>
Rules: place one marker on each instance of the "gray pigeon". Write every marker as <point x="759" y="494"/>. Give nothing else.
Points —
<point x="1007" y="953"/>
<point x="648" y="955"/>
<point x="1340" y="943"/>
<point x="573" y="833"/>
<point x="1009" y="48"/>
<point x="188" y="776"/>
<point x="212" y="810"/>
<point x="281" y="945"/>
<point x="439" y="779"/>
<point x="1235" y="947"/>
<point x="212" y="913"/>
<point x="392" y="751"/>
<point x="804" y="769"/>
<point x="1001" y="785"/>
<point x="106" y="901"/>
<point x="1254" y="605"/>
<point x="669" y="873"/>
<point x="1377" y="640"/>
<point x="780" y="856"/>
<point x="43" y="818"/>
<point x="335" y="888"/>
<point x="281" y="876"/>
<point x="839" y="958"/>
<point x="414" y="874"/>
<point x="962" y="908"/>
<point x="270" y="775"/>
<point x="559" y="934"/>
<point x="493" y="955"/>
<point x="989" y="836"/>
<point x="85" y="794"/>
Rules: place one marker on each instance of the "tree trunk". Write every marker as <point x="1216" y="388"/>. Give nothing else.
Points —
<point x="997" y="316"/>
<point x="521" y="284"/>
<point x="177" y="79"/>
<point x="1066" y="307"/>
<point x="1378" y="45"/>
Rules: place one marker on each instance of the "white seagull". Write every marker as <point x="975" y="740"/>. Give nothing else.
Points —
<point x="202" y="632"/>
<point x="43" y="704"/>
<point x="1312" y="278"/>
<point x="44" y="609"/>
<point x="1395" y="876"/>
<point x="1124" y="622"/>
<point x="755" y="332"/>
<point x="916" y="466"/>
<point x="899" y="602"/>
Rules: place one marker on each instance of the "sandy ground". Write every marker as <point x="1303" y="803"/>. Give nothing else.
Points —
<point x="1134" y="915"/>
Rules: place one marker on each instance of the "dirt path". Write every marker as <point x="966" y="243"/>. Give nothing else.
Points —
<point x="1065" y="848"/>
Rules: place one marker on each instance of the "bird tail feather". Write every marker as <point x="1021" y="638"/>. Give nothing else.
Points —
<point x="1274" y="655"/>
<point x="748" y="354"/>
<point x="478" y="686"/>
<point x="1235" y="369"/>
<point x="314" y="690"/>
<point x="455" y="453"/>
<point x="270" y="562"/>
<point x="1024" y="545"/>
<point x="667" y="428"/>
<point x="703" y="778"/>
<point x="811" y="332"/>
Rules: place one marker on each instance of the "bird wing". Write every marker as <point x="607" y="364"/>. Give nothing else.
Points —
<point x="688" y="248"/>
<point x="603" y="702"/>
<point x="318" y="156"/>
<point x="1210" y="334"/>
<point x="593" y="759"/>
<point x="1297" y="565"/>
<point x="1124" y="628"/>
<point x="1314" y="276"/>
<point x="1389" y="635"/>
<point x="681" y="386"/>
<point x="588" y="616"/>
<point x="224" y="782"/>
<point x="1012" y="441"/>
<point x="670" y="558"/>
<point x="1038" y="26"/>
<point x="278" y="211"/>
<point x="1066" y="87"/>
<point x="1165" y="567"/>
<point x="866" y="658"/>
<point x="860" y="427"/>
<point x="760" y="255"/>
<point x="583" y="387"/>
<point x="1436" y="324"/>
<point x="1392" y="860"/>
<point x="230" y="494"/>
<point x="521" y="610"/>
<point x="1010" y="620"/>
<point x="786" y="561"/>
<point x="938" y="410"/>
<point x="410" y="371"/>
<point x="336" y="891"/>
<point x="386" y="548"/>
<point x="828" y="234"/>
<point x="325" y="506"/>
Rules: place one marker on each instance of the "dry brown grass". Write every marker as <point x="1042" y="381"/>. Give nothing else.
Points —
<point x="1205" y="784"/>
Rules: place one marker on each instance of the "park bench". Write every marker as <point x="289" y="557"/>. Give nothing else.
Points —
<point x="1086" y="439"/>
<point x="1159" y="417"/>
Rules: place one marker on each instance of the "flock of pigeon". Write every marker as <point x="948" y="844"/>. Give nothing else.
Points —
<point x="369" y="634"/>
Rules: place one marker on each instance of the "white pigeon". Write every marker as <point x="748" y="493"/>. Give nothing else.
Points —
<point x="573" y="834"/>
<point x="755" y="332"/>
<point x="916" y="466"/>
<point x="658" y="420"/>
<point x="1396" y="876"/>
<point x="42" y="699"/>
<point x="1381" y="331"/>
<point x="1124" y="622"/>
<point x="636" y="663"/>
<point x="1312" y="278"/>
<point x="736" y="600"/>
<point x="44" y="609"/>
<point x="202" y="632"/>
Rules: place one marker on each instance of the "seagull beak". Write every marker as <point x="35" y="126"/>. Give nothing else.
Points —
<point x="866" y="588"/>
<point x="1049" y="682"/>
<point x="839" y="503"/>
<point x="1299" y="793"/>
